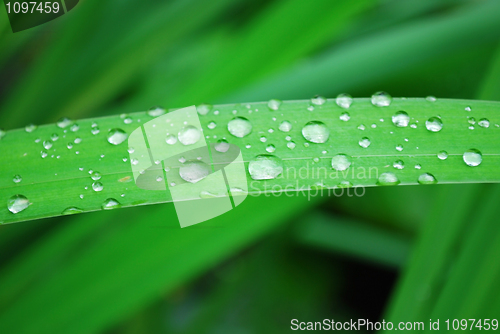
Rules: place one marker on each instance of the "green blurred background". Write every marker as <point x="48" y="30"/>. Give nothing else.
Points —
<point x="400" y="253"/>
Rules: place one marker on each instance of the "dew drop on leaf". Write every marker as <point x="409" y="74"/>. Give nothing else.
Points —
<point x="443" y="155"/>
<point x="212" y="125"/>
<point x="47" y="144"/>
<point x="17" y="178"/>
<point x="117" y="136"/>
<point x="239" y="127"/>
<point x="156" y="111"/>
<point x="388" y="179"/>
<point x="189" y="135"/>
<point x="274" y="104"/>
<point x="364" y="142"/>
<point x="341" y="162"/>
<point x="95" y="176"/>
<point x="64" y="122"/>
<point x="401" y="119"/>
<point x="316" y="132"/>
<point x="381" y="99"/>
<point x="285" y="126"/>
<point x="344" y="100"/>
<point x="270" y="148"/>
<point x="345" y="117"/>
<point x="204" y="108"/>
<point x="473" y="157"/>
<point x="30" y="127"/>
<point x="110" y="204"/>
<point x="97" y="186"/>
<point x="318" y="100"/>
<point x="427" y="178"/>
<point x="222" y="146"/>
<point x="194" y="171"/>
<point x="265" y="167"/>
<point x="17" y="203"/>
<point x="484" y="123"/>
<point x="290" y="145"/>
<point x="71" y="211"/>
<point x="434" y="124"/>
<point x="398" y="164"/>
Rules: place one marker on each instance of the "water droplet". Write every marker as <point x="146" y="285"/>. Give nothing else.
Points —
<point x="316" y="132"/>
<point x="401" y="119"/>
<point x="413" y="126"/>
<point x="95" y="176"/>
<point x="248" y="146"/>
<point x="204" y="108"/>
<point x="344" y="100"/>
<point x="171" y="140"/>
<point x="318" y="100"/>
<point x="78" y="140"/>
<point x="345" y="117"/>
<point x="117" y="136"/>
<point x="471" y="120"/>
<point x="468" y="109"/>
<point x="361" y="127"/>
<point x="341" y="162"/>
<point x="374" y="126"/>
<point x="17" y="203"/>
<point x="270" y="148"/>
<point x="194" y="171"/>
<point x="431" y="98"/>
<point x="110" y="204"/>
<point x="418" y="166"/>
<point x="71" y="211"/>
<point x="159" y="178"/>
<point x="290" y="145"/>
<point x="344" y="184"/>
<point x="47" y="144"/>
<point x="17" y="178"/>
<point x="74" y="127"/>
<point x="399" y="147"/>
<point x="44" y="154"/>
<point x="381" y="99"/>
<point x="97" y="186"/>
<point x="30" y="127"/>
<point x="156" y="111"/>
<point x="95" y="130"/>
<point x="427" y="178"/>
<point x="128" y="120"/>
<point x="69" y="146"/>
<point x="274" y="104"/>
<point x="388" y="179"/>
<point x="364" y="142"/>
<point x="285" y="126"/>
<point x="189" y="135"/>
<point x="64" y="122"/>
<point x="207" y="194"/>
<point x="398" y="164"/>
<point x="239" y="127"/>
<point x="265" y="167"/>
<point x="443" y="155"/>
<point x="484" y="123"/>
<point x="222" y="146"/>
<point x="473" y="157"/>
<point x="211" y="125"/>
<point x="434" y="124"/>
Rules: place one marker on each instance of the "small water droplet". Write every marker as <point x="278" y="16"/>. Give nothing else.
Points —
<point x="265" y="167"/>
<point x="64" y="122"/>
<point x="97" y="186"/>
<point x="110" y="204"/>
<point x="222" y="146"/>
<point x="431" y="98"/>
<point x="212" y="125"/>
<point x="189" y="135"/>
<point x="290" y="145"/>
<point x="159" y="178"/>
<point x="74" y="127"/>
<point x="345" y="117"/>
<point x="17" y="178"/>
<point x="443" y="155"/>
<point x="388" y="179"/>
<point x="44" y="154"/>
<point x="78" y="140"/>
<point x="117" y="136"/>
<point x="401" y="119"/>
<point x="374" y="126"/>
<point x="95" y="130"/>
<point x="71" y="211"/>
<point x="381" y="99"/>
<point x="171" y="140"/>
<point x="413" y="126"/>
<point x="473" y="157"/>
<point x="471" y="120"/>
<point x="204" y="108"/>
<point x="468" y="109"/>
<point x="194" y="171"/>
<point x="344" y="100"/>
<point x="270" y="148"/>
<point x="207" y="194"/>
<point x="17" y="203"/>
<point x="399" y="147"/>
<point x="285" y="126"/>
<point x="270" y="130"/>
<point x="128" y="120"/>
<point x="47" y="144"/>
<point x="54" y="137"/>
<point x="364" y="142"/>
<point x="156" y="111"/>
<point x="274" y="104"/>
<point x="398" y="164"/>
<point x="239" y="127"/>
<point x="484" y="123"/>
<point x="30" y="127"/>
<point x="341" y="162"/>
<point x="434" y="124"/>
<point x="427" y="178"/>
<point x="418" y="166"/>
<point x="95" y="176"/>
<point x="318" y="100"/>
<point x="248" y="146"/>
<point x="69" y="146"/>
<point x="361" y="127"/>
<point x="315" y="132"/>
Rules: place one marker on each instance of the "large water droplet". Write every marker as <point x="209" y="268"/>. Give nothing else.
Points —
<point x="64" y="122"/>
<point x="47" y="144"/>
<point x="204" y="108"/>
<point x="17" y="178"/>
<point x="427" y="178"/>
<point x="156" y="111"/>
<point x="484" y="123"/>
<point x="239" y="127"/>
<point x="443" y="155"/>
<point x="388" y="179"/>
<point x="381" y="99"/>
<point x="401" y="119"/>
<point x="72" y="210"/>
<point x="265" y="167"/>
<point x="344" y="100"/>
<point x="110" y="204"/>
<point x="274" y="104"/>
<point x="97" y="186"/>
<point x="189" y="135"/>
<point x="473" y="157"/>
<point x="222" y="146"/>
<point x="434" y="124"/>
<point x="117" y="136"/>
<point x="17" y="203"/>
<point x="318" y="100"/>
<point x="341" y="162"/>
<point x="364" y="142"/>
<point x="316" y="132"/>
<point x="285" y="126"/>
<point x="193" y="171"/>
